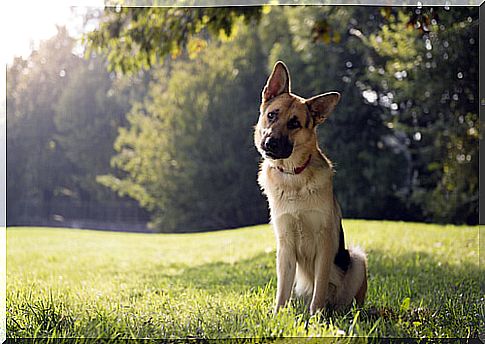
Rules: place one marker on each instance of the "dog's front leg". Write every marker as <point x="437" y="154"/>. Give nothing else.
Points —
<point x="323" y="263"/>
<point x="285" y="268"/>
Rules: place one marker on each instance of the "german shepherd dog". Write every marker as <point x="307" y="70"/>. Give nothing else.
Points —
<point x="297" y="179"/>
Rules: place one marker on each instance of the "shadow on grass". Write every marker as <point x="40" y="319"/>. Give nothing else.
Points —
<point x="418" y="289"/>
<point x="444" y="300"/>
<point x="412" y="289"/>
<point x="416" y="273"/>
<point x="239" y="276"/>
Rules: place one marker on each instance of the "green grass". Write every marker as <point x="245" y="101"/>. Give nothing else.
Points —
<point x="423" y="282"/>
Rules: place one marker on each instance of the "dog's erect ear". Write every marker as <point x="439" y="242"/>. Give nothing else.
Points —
<point x="322" y="105"/>
<point x="278" y="82"/>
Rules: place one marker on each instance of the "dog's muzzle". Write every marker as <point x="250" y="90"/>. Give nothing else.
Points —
<point x="277" y="148"/>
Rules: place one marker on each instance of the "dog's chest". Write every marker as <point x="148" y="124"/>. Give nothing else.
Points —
<point x="294" y="194"/>
<point x="305" y="233"/>
<point x="303" y="209"/>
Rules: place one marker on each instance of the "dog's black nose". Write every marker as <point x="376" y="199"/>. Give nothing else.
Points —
<point x="270" y="144"/>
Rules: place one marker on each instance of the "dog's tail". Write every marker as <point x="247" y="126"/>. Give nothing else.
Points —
<point x="354" y="284"/>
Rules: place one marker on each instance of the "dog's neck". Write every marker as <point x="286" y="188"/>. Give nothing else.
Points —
<point x="296" y="170"/>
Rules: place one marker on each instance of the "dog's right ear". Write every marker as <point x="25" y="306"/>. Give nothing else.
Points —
<point x="322" y="105"/>
<point x="278" y="82"/>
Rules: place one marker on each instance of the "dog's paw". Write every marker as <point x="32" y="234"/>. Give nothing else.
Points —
<point x="315" y="308"/>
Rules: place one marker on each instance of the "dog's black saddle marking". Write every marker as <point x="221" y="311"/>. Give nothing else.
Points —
<point x="342" y="258"/>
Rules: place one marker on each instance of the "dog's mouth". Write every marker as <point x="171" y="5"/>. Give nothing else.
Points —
<point x="273" y="156"/>
<point x="283" y="153"/>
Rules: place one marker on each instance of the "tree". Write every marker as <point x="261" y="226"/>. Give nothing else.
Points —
<point x="34" y="163"/>
<point x="137" y="38"/>
<point x="323" y="56"/>
<point x="404" y="137"/>
<point x="427" y="79"/>
<point x="63" y="116"/>
<point x="188" y="154"/>
<point x="87" y="116"/>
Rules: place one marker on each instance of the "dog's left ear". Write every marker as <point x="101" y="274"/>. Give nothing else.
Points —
<point x="278" y="82"/>
<point x="322" y="105"/>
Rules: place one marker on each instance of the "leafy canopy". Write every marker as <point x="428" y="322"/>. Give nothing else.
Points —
<point x="138" y="37"/>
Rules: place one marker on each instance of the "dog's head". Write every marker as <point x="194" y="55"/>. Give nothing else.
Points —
<point x="287" y="121"/>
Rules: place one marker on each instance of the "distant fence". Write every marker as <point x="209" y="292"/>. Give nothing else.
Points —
<point x="116" y="215"/>
<point x="124" y="215"/>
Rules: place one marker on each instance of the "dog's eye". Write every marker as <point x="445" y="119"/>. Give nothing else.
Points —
<point x="293" y="123"/>
<point x="272" y="115"/>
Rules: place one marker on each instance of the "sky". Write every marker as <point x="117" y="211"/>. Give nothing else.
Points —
<point x="23" y="24"/>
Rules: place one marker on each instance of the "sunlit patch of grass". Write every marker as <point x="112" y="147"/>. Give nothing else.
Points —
<point x="423" y="282"/>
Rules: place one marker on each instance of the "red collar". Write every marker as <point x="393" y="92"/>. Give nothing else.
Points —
<point x="297" y="170"/>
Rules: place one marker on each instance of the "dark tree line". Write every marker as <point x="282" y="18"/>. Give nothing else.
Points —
<point x="63" y="114"/>
<point x="172" y="128"/>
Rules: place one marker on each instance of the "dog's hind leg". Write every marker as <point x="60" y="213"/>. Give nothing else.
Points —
<point x="360" y="296"/>
<point x="303" y="284"/>
<point x="354" y="283"/>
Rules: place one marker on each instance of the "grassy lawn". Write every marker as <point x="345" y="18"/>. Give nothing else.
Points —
<point x="424" y="281"/>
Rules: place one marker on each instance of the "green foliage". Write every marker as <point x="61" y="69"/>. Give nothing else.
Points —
<point x="188" y="152"/>
<point x="87" y="116"/>
<point x="378" y="60"/>
<point x="69" y="283"/>
<point x="62" y="118"/>
<point x="162" y="153"/>
<point x="34" y="160"/>
<point x="404" y="138"/>
<point x="355" y="137"/>
<point x="141" y="37"/>
<point x="440" y="116"/>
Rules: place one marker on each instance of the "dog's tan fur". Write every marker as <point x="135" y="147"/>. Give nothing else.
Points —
<point x="305" y="215"/>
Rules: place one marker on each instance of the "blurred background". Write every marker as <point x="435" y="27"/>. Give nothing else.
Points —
<point x="142" y="118"/>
